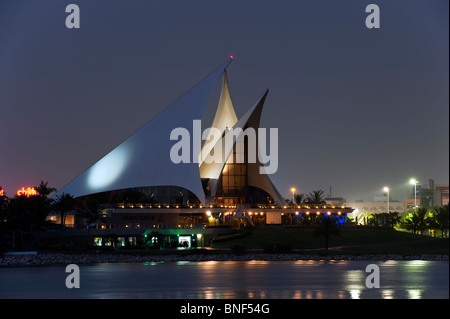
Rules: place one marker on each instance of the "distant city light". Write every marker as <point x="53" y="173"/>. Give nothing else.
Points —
<point x="2" y="192"/>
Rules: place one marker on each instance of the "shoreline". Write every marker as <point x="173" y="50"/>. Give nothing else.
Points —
<point x="47" y="259"/>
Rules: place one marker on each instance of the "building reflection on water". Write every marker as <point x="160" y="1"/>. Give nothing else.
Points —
<point x="303" y="279"/>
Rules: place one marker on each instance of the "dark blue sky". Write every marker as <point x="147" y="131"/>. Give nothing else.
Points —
<point x="357" y="109"/>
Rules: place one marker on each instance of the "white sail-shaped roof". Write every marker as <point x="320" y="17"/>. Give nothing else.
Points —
<point x="224" y="118"/>
<point x="144" y="158"/>
<point x="212" y="170"/>
<point x="255" y="178"/>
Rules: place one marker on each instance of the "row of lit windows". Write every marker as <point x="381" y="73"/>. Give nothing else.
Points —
<point x="170" y="206"/>
<point x="317" y="213"/>
<point x="130" y="205"/>
<point x="303" y="206"/>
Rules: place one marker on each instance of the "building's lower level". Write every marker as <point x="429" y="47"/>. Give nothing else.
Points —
<point x="187" y="228"/>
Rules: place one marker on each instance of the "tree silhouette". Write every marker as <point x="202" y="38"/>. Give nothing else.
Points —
<point x="64" y="203"/>
<point x="92" y="213"/>
<point x="299" y="198"/>
<point x="416" y="221"/>
<point x="44" y="190"/>
<point x="327" y="226"/>
<point x="316" y="197"/>
<point x="441" y="216"/>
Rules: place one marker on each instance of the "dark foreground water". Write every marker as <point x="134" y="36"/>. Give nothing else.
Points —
<point x="416" y="279"/>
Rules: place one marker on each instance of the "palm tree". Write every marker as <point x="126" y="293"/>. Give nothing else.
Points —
<point x="416" y="221"/>
<point x="19" y="217"/>
<point x="326" y="227"/>
<point x="300" y="198"/>
<point x="43" y="203"/>
<point x="371" y="219"/>
<point x="392" y="219"/>
<point x="431" y="223"/>
<point x="44" y="190"/>
<point x="316" y="197"/>
<point x="389" y="219"/>
<point x="93" y="213"/>
<point x="64" y="203"/>
<point x="442" y="219"/>
<point x="4" y="201"/>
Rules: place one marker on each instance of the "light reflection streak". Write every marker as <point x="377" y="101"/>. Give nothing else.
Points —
<point x="414" y="293"/>
<point x="354" y="279"/>
<point x="355" y="293"/>
<point x="353" y="282"/>
<point x="297" y="294"/>
<point x="341" y="294"/>
<point x="387" y="294"/>
<point x="417" y="263"/>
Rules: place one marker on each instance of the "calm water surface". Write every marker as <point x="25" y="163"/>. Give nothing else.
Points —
<point x="232" y="279"/>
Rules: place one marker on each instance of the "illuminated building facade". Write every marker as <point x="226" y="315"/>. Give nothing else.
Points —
<point x="142" y="188"/>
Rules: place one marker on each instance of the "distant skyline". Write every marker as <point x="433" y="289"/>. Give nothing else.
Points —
<point x="357" y="109"/>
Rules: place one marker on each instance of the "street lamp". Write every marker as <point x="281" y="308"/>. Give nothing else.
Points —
<point x="414" y="182"/>
<point x="293" y="196"/>
<point x="386" y="189"/>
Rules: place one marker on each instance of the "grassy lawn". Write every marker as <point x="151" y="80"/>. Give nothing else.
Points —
<point x="353" y="240"/>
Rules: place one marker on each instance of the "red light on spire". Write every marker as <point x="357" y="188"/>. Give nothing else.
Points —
<point x="231" y="57"/>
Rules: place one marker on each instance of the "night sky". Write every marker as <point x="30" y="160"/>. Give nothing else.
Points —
<point x="356" y="108"/>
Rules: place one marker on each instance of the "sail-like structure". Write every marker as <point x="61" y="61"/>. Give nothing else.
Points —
<point x="224" y="118"/>
<point x="212" y="170"/>
<point x="144" y="158"/>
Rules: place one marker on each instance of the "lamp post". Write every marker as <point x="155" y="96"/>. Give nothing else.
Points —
<point x="414" y="182"/>
<point x="293" y="196"/>
<point x="386" y="189"/>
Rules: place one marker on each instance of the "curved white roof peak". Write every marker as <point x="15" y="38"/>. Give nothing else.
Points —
<point x="144" y="158"/>
<point x="224" y="118"/>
